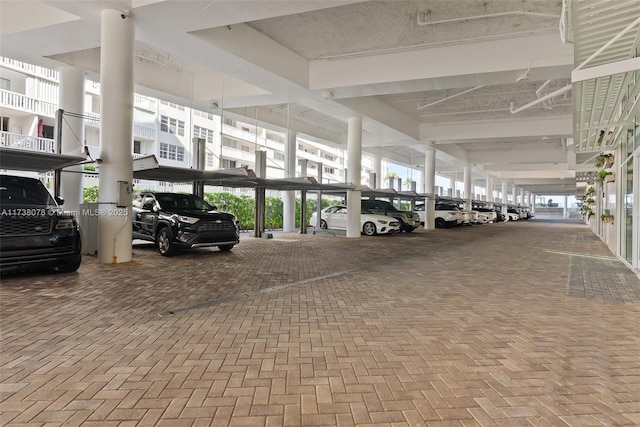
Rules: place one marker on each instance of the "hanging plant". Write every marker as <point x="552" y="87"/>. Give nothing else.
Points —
<point x="604" y="160"/>
<point x="602" y="173"/>
<point x="589" y="201"/>
<point x="607" y="216"/>
<point x="590" y="191"/>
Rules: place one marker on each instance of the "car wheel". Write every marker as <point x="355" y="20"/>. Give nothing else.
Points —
<point x="225" y="248"/>
<point x="408" y="229"/>
<point x="441" y="223"/>
<point x="323" y="224"/>
<point x="164" y="241"/>
<point x="369" y="229"/>
<point x="71" y="266"/>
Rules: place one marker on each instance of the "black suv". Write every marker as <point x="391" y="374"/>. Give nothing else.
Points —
<point x="409" y="221"/>
<point x="182" y="221"/>
<point x="34" y="231"/>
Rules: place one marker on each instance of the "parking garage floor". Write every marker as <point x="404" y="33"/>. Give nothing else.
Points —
<point x="513" y="324"/>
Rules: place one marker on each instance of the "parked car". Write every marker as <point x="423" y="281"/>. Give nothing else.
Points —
<point x="335" y="217"/>
<point x="512" y="215"/>
<point x="34" y="231"/>
<point x="182" y="221"/>
<point x="445" y="215"/>
<point x="490" y="214"/>
<point x="409" y="220"/>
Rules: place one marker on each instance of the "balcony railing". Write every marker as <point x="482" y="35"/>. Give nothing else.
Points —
<point x="144" y="103"/>
<point x="22" y="102"/>
<point x="29" y="68"/>
<point x="25" y="142"/>
<point x="145" y="132"/>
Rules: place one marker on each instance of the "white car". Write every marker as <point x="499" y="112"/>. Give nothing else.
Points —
<point x="335" y="217"/>
<point x="511" y="216"/>
<point x="445" y="216"/>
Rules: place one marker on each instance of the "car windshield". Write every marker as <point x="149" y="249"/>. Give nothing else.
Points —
<point x="15" y="190"/>
<point x="184" y="202"/>
<point x="446" y="208"/>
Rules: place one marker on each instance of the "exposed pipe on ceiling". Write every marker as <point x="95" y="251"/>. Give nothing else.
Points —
<point x="448" y="97"/>
<point x="476" y="17"/>
<point x="514" y="110"/>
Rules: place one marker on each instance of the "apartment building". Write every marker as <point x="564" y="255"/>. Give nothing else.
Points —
<point x="29" y="101"/>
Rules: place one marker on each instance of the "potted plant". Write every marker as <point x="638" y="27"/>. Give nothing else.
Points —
<point x="604" y="175"/>
<point x="604" y="160"/>
<point x="607" y="216"/>
<point x="590" y="191"/>
<point x="587" y="212"/>
<point x="589" y="201"/>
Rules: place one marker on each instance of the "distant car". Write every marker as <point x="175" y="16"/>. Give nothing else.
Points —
<point x="34" y="231"/>
<point x="490" y="214"/>
<point x="335" y="217"/>
<point x="512" y="215"/>
<point x="182" y="221"/>
<point x="409" y="220"/>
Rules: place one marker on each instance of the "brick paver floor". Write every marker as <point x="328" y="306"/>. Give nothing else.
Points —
<point x="513" y="324"/>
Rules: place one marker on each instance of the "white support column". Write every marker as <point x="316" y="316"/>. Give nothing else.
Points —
<point x="289" y="197"/>
<point x="430" y="187"/>
<point x="354" y="149"/>
<point x="522" y="202"/>
<point x="116" y="131"/>
<point x="71" y="100"/>
<point x="514" y="195"/>
<point x="505" y="199"/>
<point x="489" y="191"/>
<point x="565" y="210"/>
<point x="467" y="187"/>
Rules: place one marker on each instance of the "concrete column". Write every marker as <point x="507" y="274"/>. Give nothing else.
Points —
<point x="514" y="195"/>
<point x="71" y="96"/>
<point x="354" y="150"/>
<point x="116" y="133"/>
<point x="505" y="199"/>
<point x="467" y="187"/>
<point x="377" y="169"/>
<point x="430" y="187"/>
<point x="289" y="197"/>
<point x="565" y="210"/>
<point x="522" y="202"/>
<point x="489" y="191"/>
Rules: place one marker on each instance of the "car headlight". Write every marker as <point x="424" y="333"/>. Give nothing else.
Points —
<point x="381" y="221"/>
<point x="66" y="224"/>
<point x="187" y="219"/>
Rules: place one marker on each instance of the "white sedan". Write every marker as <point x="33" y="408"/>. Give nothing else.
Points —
<point x="335" y="217"/>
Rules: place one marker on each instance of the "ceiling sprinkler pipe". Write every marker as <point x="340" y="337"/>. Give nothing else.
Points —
<point x="541" y="88"/>
<point x="553" y="94"/>
<point x="425" y="23"/>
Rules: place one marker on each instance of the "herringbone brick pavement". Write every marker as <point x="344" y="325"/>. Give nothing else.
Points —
<point x="495" y="325"/>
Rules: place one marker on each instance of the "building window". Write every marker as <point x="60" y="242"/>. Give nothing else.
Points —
<point x="172" y="105"/>
<point x="5" y="84"/>
<point x="171" y="125"/>
<point x="278" y="156"/>
<point x="327" y="156"/>
<point x="4" y="124"/>
<point x="246" y="149"/>
<point x="228" y="164"/>
<point x="226" y="142"/>
<point x="171" y="152"/>
<point x="204" y="133"/>
<point x="210" y="160"/>
<point x="229" y="122"/>
<point x="329" y="170"/>
<point x="136" y="147"/>
<point x="203" y="114"/>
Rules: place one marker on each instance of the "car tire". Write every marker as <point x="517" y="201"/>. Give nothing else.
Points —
<point x="70" y="267"/>
<point x="323" y="224"/>
<point x="225" y="248"/>
<point x="441" y="223"/>
<point x="369" y="229"/>
<point x="164" y="242"/>
<point x="408" y="229"/>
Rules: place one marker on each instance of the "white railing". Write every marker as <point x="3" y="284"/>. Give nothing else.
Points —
<point x="25" y="142"/>
<point x="92" y="87"/>
<point x="144" y="131"/>
<point x="47" y="73"/>
<point x="22" y="102"/>
<point x="144" y="102"/>
<point x="243" y="156"/>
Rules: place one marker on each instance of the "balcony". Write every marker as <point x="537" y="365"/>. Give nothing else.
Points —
<point x="144" y="103"/>
<point x="25" y="142"/>
<point x="143" y="131"/>
<point x="244" y="156"/>
<point x="34" y="70"/>
<point x="21" y="102"/>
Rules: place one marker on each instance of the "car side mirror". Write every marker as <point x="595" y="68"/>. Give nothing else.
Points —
<point x="59" y="200"/>
<point x="215" y="208"/>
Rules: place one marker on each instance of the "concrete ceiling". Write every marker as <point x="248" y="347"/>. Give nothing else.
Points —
<point x="468" y="75"/>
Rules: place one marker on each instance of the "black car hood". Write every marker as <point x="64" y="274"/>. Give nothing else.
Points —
<point x="206" y="215"/>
